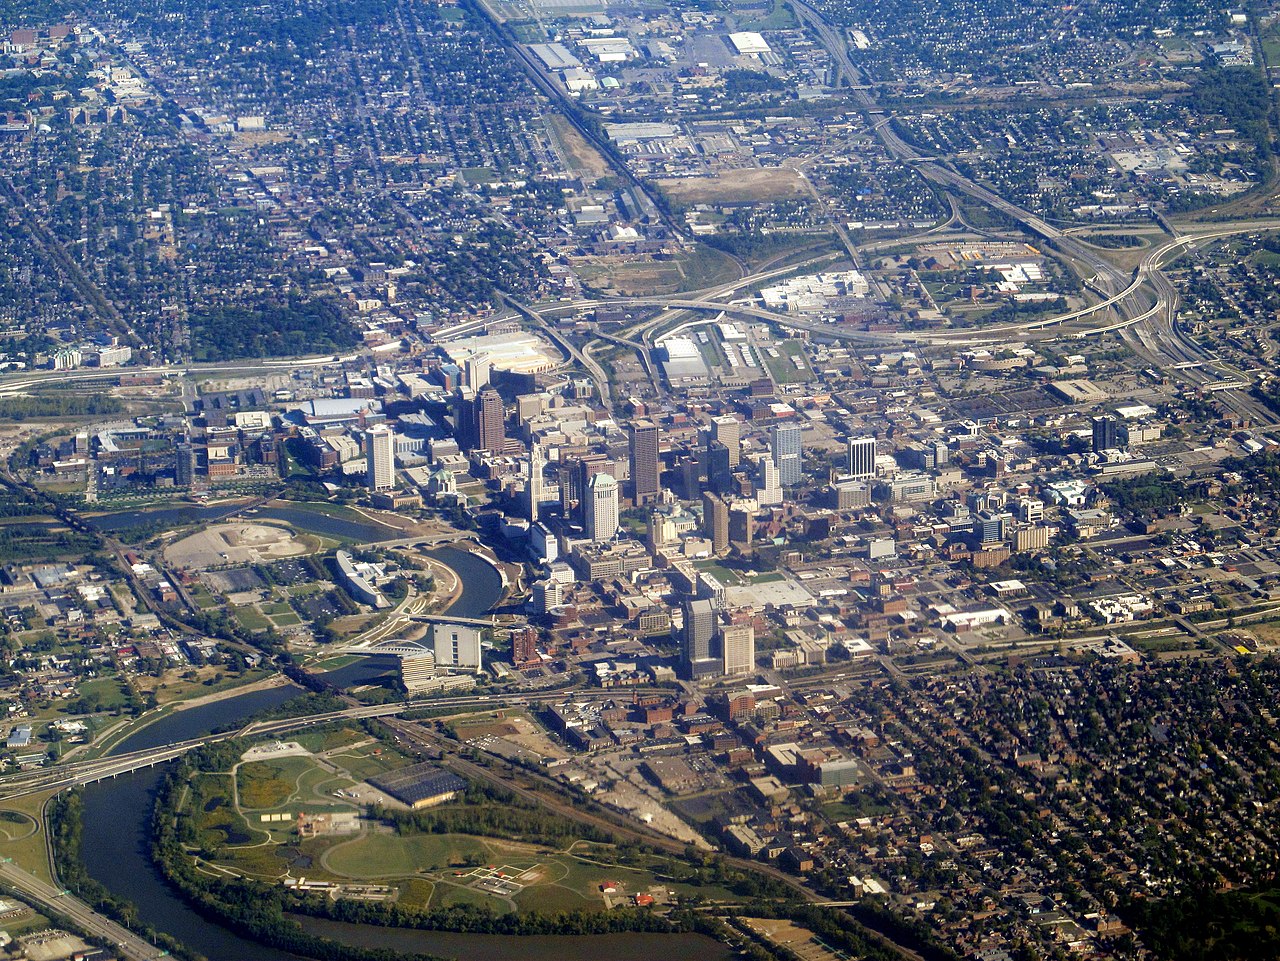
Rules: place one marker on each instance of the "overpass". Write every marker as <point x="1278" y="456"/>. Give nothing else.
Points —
<point x="80" y="773"/>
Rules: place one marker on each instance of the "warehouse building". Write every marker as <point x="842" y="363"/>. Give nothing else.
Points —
<point x="420" y="785"/>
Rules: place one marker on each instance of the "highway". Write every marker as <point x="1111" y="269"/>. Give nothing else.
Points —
<point x="17" y="383"/>
<point x="79" y="773"/>
<point x="57" y="902"/>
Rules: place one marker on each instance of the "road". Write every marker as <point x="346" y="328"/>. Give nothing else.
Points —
<point x="54" y="900"/>
<point x="79" y="773"/>
<point x="20" y="382"/>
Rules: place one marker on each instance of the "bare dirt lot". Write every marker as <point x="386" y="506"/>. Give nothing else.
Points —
<point x="742" y="186"/>
<point x="237" y="544"/>
<point x="799" y="941"/>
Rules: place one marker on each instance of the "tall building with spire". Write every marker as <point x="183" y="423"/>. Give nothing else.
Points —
<point x="602" y="508"/>
<point x="535" y="481"/>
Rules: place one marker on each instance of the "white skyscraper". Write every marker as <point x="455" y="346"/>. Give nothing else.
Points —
<point x="380" y="458"/>
<point x="784" y="441"/>
<point x="602" y="508"/>
<point x="535" y="481"/>
<point x="738" y="644"/>
<point x="768" y="482"/>
<point x="862" y="457"/>
<point x="478" y="368"/>
<point x="728" y="431"/>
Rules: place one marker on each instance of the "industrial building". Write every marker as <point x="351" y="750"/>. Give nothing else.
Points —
<point x="420" y="785"/>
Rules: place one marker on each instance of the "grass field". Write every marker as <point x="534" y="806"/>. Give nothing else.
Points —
<point x="705" y="267"/>
<point x="251" y="619"/>
<point x="368" y="761"/>
<point x="783" y="370"/>
<point x="416" y="893"/>
<point x="375" y="856"/>
<point x="263" y="785"/>
<point x="429" y="870"/>
<point x="109" y="692"/>
<point x="333" y="663"/>
<point x="328" y="738"/>
<point x="701" y="267"/>
<point x="779" y="17"/>
<point x="25" y="924"/>
<point x="721" y="573"/>
<point x="22" y="835"/>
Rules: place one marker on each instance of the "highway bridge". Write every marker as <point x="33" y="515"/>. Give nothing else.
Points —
<point x="79" y="773"/>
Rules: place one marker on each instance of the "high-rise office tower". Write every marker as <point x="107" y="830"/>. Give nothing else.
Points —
<point x="185" y="469"/>
<point x="738" y="642"/>
<point x="602" y="508"/>
<point x="576" y="480"/>
<point x="464" y="418"/>
<point x="715" y="521"/>
<point x="535" y="481"/>
<point x="491" y="434"/>
<point x="862" y="457"/>
<point x="728" y="431"/>
<point x="719" y="467"/>
<point x="696" y="652"/>
<point x="784" y="442"/>
<point x="690" y="484"/>
<point x="768" y="482"/>
<point x="380" y="459"/>
<point x="1105" y="436"/>
<point x="645" y="470"/>
<point x="477" y="370"/>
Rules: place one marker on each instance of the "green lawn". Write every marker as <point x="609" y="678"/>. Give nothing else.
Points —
<point x="364" y="763"/>
<point x="108" y="692"/>
<point x="389" y="856"/>
<point x="783" y="370"/>
<point x="415" y="893"/>
<point x="328" y="738"/>
<point x="251" y="619"/>
<point x="779" y="17"/>
<point x="723" y="574"/>
<point x="22" y="835"/>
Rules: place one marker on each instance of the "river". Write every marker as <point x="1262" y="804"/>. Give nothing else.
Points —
<point x="117" y="822"/>
<point x="116" y="847"/>
<point x="635" y="946"/>
<point x="481" y="589"/>
<point x="300" y="518"/>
